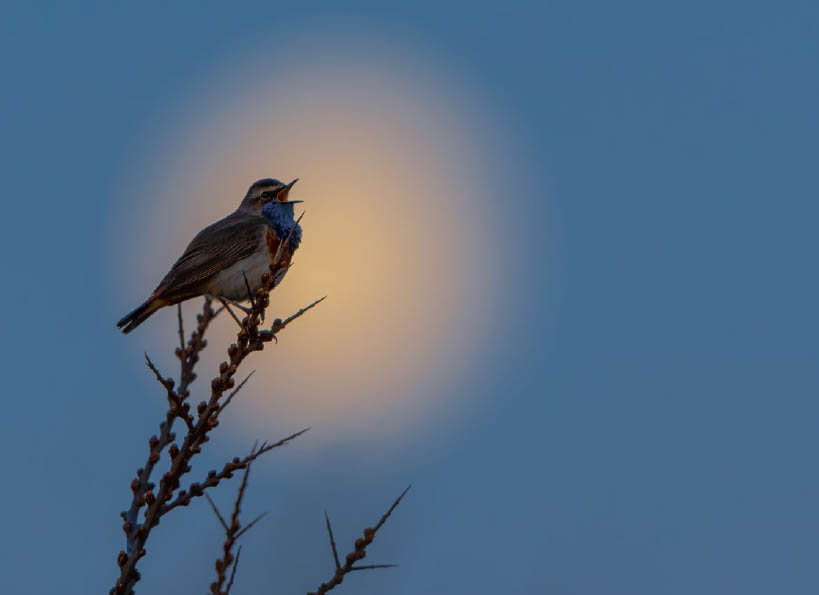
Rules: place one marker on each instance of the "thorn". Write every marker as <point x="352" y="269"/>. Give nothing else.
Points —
<point x="332" y="541"/>
<point x="216" y="511"/>
<point x="233" y="571"/>
<point x="249" y="293"/>
<point x="181" y="329"/>
<point x="233" y="393"/>
<point x="250" y="525"/>
<point x="373" y="566"/>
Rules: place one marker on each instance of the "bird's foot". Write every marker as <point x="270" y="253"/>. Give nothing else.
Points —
<point x="274" y="328"/>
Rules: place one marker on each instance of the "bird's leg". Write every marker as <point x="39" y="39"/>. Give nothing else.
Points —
<point x="244" y="309"/>
<point x="225" y="304"/>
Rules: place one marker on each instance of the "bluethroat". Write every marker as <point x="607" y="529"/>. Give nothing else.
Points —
<point x="231" y="254"/>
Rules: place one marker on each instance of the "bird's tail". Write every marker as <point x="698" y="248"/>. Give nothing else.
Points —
<point x="136" y="317"/>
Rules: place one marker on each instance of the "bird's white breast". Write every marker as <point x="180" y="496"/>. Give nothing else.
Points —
<point x="229" y="283"/>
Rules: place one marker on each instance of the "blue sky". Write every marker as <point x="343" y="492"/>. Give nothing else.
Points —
<point x="640" y="414"/>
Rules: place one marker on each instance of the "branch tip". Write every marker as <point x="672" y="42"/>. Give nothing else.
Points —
<point x="373" y="566"/>
<point x="393" y="507"/>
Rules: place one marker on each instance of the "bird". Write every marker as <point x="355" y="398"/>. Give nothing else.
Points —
<point x="226" y="257"/>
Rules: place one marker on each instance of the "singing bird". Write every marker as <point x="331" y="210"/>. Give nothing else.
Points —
<point x="241" y="246"/>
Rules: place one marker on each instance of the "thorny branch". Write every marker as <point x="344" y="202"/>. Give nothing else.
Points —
<point x="357" y="554"/>
<point x="184" y="497"/>
<point x="159" y="500"/>
<point x="233" y="532"/>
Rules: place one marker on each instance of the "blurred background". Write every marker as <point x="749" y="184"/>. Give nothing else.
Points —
<point x="569" y="252"/>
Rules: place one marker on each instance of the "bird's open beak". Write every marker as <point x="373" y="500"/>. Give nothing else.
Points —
<point x="282" y="195"/>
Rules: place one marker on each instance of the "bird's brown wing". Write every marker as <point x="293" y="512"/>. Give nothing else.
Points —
<point x="214" y="248"/>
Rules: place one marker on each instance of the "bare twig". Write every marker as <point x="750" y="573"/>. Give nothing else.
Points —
<point x="189" y="355"/>
<point x="279" y="324"/>
<point x="184" y="497"/>
<point x="232" y="533"/>
<point x="358" y="553"/>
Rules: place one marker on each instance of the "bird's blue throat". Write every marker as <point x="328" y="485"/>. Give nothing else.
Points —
<point x="281" y="219"/>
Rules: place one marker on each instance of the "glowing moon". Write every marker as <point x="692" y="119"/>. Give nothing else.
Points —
<point x="397" y="232"/>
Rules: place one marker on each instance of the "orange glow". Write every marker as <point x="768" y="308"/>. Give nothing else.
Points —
<point x="397" y="233"/>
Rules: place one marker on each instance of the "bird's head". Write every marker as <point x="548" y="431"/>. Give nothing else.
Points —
<point x="268" y="190"/>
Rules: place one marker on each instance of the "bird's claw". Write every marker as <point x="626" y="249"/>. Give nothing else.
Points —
<point x="268" y="336"/>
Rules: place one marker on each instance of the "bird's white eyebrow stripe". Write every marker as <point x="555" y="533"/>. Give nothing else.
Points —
<point x="264" y="189"/>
